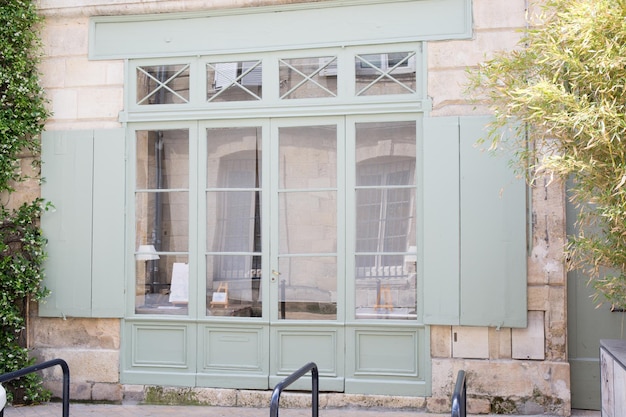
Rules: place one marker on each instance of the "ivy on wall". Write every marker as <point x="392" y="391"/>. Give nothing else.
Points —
<point x="22" y="114"/>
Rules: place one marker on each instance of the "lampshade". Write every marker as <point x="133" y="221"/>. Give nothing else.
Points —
<point x="146" y="253"/>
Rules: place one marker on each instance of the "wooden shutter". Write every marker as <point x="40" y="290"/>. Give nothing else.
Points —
<point x="83" y="174"/>
<point x="493" y="234"/>
<point x="441" y="220"/>
<point x="474" y="229"/>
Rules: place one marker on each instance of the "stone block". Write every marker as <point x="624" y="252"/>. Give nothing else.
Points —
<point x="529" y="343"/>
<point x="494" y="14"/>
<point x="446" y="86"/>
<point x="478" y="406"/>
<point x="499" y="343"/>
<point x="76" y="333"/>
<point x="539" y="297"/>
<point x="65" y="37"/>
<point x="460" y="54"/>
<point x="81" y="72"/>
<point x="52" y="72"/>
<point x="98" y="103"/>
<point x="80" y="391"/>
<point x="64" y="103"/>
<point x="441" y="341"/>
<point x="253" y="398"/>
<point x="85" y="365"/>
<point x="106" y="392"/>
<point x="438" y="404"/>
<point x="217" y="397"/>
<point x="133" y="394"/>
<point x="470" y="342"/>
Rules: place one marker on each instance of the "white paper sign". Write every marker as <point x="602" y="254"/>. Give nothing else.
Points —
<point x="179" y="289"/>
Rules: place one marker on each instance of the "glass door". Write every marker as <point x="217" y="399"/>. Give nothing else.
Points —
<point x="307" y="309"/>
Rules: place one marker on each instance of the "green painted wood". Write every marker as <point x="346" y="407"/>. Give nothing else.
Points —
<point x="293" y="345"/>
<point x="387" y="359"/>
<point x="233" y="356"/>
<point x="84" y="179"/>
<point x="108" y="251"/>
<point x="586" y="326"/>
<point x="67" y="171"/>
<point x="492" y="235"/>
<point x="440" y="184"/>
<point x="158" y="353"/>
<point x="264" y="28"/>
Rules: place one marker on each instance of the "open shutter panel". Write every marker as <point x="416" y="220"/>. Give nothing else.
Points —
<point x="492" y="235"/>
<point x="83" y="175"/>
<point x="108" y="224"/>
<point x="66" y="171"/>
<point x="441" y="220"/>
<point x="474" y="229"/>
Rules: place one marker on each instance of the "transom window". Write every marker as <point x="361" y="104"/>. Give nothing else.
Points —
<point x="343" y="74"/>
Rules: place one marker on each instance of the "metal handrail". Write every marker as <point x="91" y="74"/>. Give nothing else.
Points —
<point x="459" y="396"/>
<point x="315" y="392"/>
<point x="38" y="367"/>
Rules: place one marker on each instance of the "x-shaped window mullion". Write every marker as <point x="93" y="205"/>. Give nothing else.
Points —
<point x="308" y="78"/>
<point x="234" y="82"/>
<point x="384" y="74"/>
<point x="163" y="84"/>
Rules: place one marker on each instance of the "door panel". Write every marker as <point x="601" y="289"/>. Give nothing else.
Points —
<point x="307" y="295"/>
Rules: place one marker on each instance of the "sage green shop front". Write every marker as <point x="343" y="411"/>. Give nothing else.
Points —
<point x="470" y="248"/>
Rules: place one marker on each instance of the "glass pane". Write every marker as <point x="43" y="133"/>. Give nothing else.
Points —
<point x="162" y="220"/>
<point x="308" y="77"/>
<point x="163" y="84"/>
<point x="308" y="222"/>
<point x="162" y="282"/>
<point x="234" y="81"/>
<point x="308" y="157"/>
<point x="381" y="74"/>
<point x="234" y="285"/>
<point x="386" y="220"/>
<point x="162" y="159"/>
<point x="234" y="157"/>
<point x="379" y="146"/>
<point x="234" y="221"/>
<point x="386" y="286"/>
<point x="308" y="288"/>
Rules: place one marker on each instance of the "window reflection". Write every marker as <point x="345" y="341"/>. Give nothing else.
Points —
<point x="308" y="77"/>
<point x="162" y="221"/>
<point x="234" y="81"/>
<point x="163" y="84"/>
<point x="234" y="265"/>
<point x="307" y="222"/>
<point x="385" y="262"/>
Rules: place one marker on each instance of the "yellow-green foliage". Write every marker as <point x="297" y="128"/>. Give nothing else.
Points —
<point x="566" y="83"/>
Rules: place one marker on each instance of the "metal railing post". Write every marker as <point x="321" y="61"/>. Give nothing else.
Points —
<point x="38" y="367"/>
<point x="459" y="396"/>
<point x="315" y="392"/>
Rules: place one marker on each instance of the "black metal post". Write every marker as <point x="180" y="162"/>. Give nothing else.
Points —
<point x="459" y="396"/>
<point x="315" y="391"/>
<point x="38" y="367"/>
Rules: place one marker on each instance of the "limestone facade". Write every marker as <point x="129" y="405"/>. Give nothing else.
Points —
<point x="522" y="369"/>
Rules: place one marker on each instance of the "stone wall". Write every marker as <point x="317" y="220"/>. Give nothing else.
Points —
<point x="522" y="370"/>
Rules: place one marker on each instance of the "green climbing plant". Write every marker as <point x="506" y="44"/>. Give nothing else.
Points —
<point x="22" y="114"/>
<point x="565" y="89"/>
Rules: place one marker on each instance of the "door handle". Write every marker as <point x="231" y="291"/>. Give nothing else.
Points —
<point x="275" y="275"/>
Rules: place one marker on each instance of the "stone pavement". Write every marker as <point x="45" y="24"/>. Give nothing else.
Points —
<point x="135" y="410"/>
